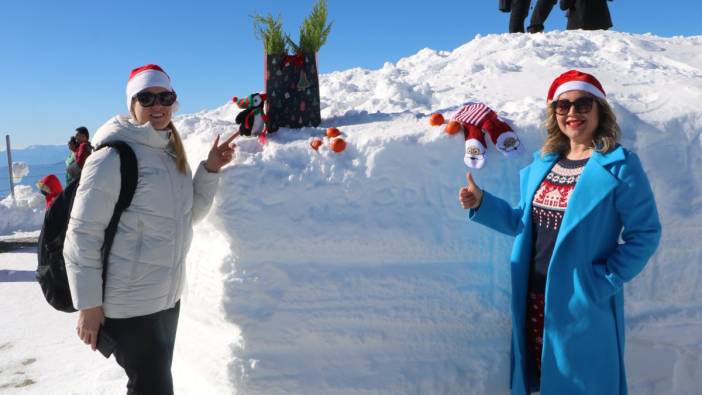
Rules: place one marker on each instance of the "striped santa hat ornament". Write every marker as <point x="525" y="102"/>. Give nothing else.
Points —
<point x="475" y="119"/>
<point x="573" y="80"/>
<point x="147" y="76"/>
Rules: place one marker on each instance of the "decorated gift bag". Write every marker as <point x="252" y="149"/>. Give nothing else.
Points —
<point x="291" y="73"/>
<point x="292" y="89"/>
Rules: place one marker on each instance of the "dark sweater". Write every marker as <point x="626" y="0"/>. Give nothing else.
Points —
<point x="548" y="207"/>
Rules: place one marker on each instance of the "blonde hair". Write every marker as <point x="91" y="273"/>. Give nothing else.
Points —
<point x="181" y="158"/>
<point x="606" y="135"/>
<point x="175" y="141"/>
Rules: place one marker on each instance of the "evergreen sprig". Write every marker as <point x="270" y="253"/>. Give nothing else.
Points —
<point x="313" y="32"/>
<point x="270" y="30"/>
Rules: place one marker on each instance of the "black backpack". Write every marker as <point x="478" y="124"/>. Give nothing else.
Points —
<point x="51" y="270"/>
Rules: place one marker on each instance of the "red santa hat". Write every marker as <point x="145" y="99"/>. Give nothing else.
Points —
<point x="575" y="80"/>
<point x="147" y="76"/>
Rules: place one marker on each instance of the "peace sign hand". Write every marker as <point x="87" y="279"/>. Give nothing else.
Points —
<point x="220" y="155"/>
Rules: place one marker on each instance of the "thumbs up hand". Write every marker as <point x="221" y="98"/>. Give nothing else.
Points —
<point x="471" y="195"/>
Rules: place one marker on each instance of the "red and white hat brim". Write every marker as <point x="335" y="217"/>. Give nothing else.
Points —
<point x="578" y="86"/>
<point x="144" y="80"/>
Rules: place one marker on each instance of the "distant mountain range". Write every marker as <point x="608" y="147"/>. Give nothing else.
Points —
<point x="36" y="155"/>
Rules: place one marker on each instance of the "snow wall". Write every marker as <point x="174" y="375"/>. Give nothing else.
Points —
<point x="357" y="273"/>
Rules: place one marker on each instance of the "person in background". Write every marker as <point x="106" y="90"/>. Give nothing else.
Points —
<point x="587" y="14"/>
<point x="84" y="146"/>
<point x="520" y="10"/>
<point x="586" y="223"/>
<point x="146" y="272"/>
<point x="50" y="187"/>
<point x="72" y="168"/>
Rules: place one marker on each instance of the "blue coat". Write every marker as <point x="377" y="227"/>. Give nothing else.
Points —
<point x="583" y="343"/>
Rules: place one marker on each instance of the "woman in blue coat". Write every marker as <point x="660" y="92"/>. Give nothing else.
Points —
<point x="586" y="223"/>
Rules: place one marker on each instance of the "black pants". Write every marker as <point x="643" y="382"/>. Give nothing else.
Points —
<point x="145" y="350"/>
<point x="520" y="10"/>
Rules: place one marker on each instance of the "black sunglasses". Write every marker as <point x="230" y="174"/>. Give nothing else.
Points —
<point x="148" y="99"/>
<point x="582" y="105"/>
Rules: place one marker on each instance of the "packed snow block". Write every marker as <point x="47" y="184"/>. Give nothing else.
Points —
<point x="363" y="329"/>
<point x="292" y="86"/>
<point x="375" y="281"/>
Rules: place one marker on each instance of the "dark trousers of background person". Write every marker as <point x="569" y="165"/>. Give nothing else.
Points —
<point x="145" y="350"/>
<point x="520" y="10"/>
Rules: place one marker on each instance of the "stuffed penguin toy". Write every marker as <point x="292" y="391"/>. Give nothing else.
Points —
<point x="252" y="119"/>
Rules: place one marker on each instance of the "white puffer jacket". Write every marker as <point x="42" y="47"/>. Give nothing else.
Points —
<point x="146" y="270"/>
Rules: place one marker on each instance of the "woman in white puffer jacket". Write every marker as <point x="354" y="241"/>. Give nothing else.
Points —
<point x="146" y="271"/>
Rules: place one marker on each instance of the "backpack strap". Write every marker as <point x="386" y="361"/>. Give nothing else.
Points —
<point x="129" y="177"/>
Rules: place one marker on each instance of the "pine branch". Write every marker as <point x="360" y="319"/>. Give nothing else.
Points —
<point x="270" y="30"/>
<point x="314" y="30"/>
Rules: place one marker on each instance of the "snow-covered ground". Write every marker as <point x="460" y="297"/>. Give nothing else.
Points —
<point x="40" y="352"/>
<point x="357" y="273"/>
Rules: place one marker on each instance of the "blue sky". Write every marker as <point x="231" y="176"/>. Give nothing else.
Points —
<point x="65" y="63"/>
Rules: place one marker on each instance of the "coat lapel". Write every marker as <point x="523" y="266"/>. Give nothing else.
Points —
<point x="595" y="183"/>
